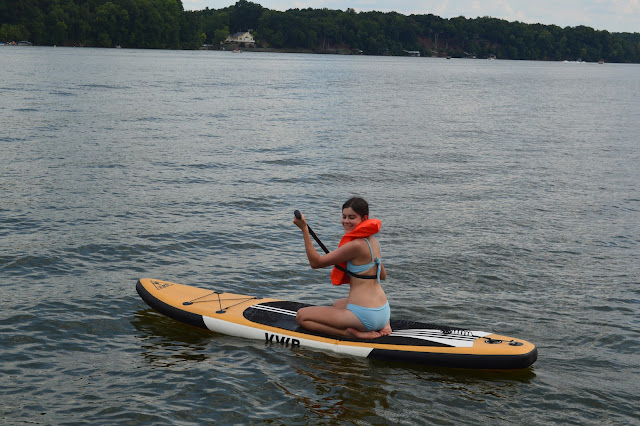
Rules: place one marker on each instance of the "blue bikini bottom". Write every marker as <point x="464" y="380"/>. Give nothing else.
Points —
<point x="373" y="319"/>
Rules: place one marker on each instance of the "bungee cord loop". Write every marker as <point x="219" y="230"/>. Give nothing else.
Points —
<point x="220" y="300"/>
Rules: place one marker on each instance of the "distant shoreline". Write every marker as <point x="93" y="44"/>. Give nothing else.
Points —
<point x="339" y="52"/>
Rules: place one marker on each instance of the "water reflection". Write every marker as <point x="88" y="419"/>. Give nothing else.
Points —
<point x="335" y="388"/>
<point x="348" y="389"/>
<point x="165" y="342"/>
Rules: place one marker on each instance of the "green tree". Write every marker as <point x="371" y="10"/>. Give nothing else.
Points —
<point x="111" y="24"/>
<point x="244" y="16"/>
<point x="220" y="35"/>
<point x="9" y="32"/>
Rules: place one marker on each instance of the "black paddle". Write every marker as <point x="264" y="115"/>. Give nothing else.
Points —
<point x="297" y="214"/>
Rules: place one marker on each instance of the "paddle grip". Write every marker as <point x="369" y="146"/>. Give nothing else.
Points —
<point x="297" y="214"/>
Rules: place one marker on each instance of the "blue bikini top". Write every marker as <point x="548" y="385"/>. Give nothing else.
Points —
<point x="356" y="269"/>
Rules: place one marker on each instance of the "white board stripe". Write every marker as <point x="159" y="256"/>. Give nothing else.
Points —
<point x="274" y="309"/>
<point x="431" y="336"/>
<point x="458" y="343"/>
<point x="424" y="332"/>
<point x="467" y="334"/>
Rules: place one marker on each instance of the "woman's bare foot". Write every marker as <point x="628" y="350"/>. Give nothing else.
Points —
<point x="386" y="330"/>
<point x="364" y="334"/>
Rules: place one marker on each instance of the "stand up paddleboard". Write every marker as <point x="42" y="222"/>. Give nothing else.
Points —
<point x="273" y="321"/>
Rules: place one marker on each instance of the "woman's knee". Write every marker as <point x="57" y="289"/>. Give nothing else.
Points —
<point x="301" y="316"/>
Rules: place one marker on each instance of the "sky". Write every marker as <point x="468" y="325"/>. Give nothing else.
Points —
<point x="610" y="15"/>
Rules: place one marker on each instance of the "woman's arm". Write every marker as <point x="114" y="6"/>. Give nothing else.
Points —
<point x="340" y="255"/>
<point x="312" y="254"/>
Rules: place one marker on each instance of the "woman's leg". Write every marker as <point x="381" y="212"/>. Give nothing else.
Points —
<point x="328" y="320"/>
<point x="341" y="303"/>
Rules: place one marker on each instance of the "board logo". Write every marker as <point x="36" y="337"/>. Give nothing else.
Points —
<point x="284" y="341"/>
<point x="160" y="284"/>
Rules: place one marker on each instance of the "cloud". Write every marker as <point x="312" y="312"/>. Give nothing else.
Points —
<point x="626" y="7"/>
<point x="441" y="9"/>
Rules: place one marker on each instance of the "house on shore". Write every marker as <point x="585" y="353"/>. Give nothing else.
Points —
<point x="241" y="37"/>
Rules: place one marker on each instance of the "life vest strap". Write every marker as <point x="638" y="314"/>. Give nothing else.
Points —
<point x="353" y="274"/>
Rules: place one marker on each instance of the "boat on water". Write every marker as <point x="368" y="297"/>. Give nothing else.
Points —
<point x="17" y="43"/>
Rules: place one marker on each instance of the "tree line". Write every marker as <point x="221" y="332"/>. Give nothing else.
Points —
<point x="165" y="24"/>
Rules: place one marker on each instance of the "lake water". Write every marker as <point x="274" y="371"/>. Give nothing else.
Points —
<point x="509" y="194"/>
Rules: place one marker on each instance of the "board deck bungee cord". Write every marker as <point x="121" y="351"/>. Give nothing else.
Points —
<point x="273" y="321"/>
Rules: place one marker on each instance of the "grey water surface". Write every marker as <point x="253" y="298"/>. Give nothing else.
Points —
<point x="508" y="193"/>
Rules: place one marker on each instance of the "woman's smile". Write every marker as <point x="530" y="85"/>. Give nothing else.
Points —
<point x="350" y="219"/>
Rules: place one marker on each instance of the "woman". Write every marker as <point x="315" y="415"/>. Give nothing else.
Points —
<point x="365" y="313"/>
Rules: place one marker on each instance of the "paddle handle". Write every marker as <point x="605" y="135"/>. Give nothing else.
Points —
<point x="298" y="215"/>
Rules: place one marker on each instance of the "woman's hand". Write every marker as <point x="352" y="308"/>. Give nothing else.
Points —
<point x="300" y="223"/>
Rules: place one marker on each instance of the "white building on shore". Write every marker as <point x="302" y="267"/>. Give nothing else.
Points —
<point x="241" y="37"/>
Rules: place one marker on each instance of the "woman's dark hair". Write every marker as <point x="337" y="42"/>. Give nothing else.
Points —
<point x="359" y="205"/>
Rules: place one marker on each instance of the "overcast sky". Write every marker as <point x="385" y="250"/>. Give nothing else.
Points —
<point x="611" y="15"/>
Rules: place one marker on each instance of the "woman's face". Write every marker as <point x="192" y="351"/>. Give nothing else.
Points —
<point x="350" y="219"/>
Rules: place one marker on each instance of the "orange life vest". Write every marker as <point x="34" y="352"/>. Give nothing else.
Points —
<point x="364" y="229"/>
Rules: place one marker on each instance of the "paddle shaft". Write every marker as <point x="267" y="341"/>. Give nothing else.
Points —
<point x="313" y="234"/>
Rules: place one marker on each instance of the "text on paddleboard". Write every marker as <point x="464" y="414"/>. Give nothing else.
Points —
<point x="284" y="341"/>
